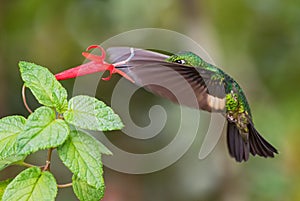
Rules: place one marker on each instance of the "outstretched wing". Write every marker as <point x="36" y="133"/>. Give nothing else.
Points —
<point x="195" y="87"/>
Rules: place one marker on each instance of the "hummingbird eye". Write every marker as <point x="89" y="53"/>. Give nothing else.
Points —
<point x="180" y="61"/>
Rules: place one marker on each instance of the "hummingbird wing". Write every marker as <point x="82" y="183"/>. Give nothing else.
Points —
<point x="186" y="85"/>
<point x="198" y="87"/>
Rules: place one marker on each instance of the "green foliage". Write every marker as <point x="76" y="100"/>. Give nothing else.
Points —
<point x="3" y="185"/>
<point x="30" y="185"/>
<point x="11" y="160"/>
<point x="87" y="152"/>
<point x="86" y="192"/>
<point x="42" y="83"/>
<point x="89" y="113"/>
<point x="42" y="131"/>
<point x="10" y="128"/>
<point x="54" y="125"/>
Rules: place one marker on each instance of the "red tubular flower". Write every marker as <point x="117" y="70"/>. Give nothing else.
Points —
<point x="97" y="64"/>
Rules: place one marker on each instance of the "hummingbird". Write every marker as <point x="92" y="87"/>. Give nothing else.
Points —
<point x="187" y="79"/>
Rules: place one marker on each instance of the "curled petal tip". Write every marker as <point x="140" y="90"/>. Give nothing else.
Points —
<point x="103" y="54"/>
<point x="92" y="47"/>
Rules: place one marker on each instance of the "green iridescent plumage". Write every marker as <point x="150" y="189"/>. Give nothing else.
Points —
<point x="235" y="98"/>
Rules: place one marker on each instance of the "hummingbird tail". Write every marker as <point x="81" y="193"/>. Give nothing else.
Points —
<point x="237" y="146"/>
<point x="258" y="145"/>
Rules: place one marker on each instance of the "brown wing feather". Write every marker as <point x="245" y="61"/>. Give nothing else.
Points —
<point x="186" y="85"/>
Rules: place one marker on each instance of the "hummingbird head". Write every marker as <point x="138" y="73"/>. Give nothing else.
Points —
<point x="186" y="58"/>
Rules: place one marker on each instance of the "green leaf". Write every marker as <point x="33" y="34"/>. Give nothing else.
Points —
<point x="10" y="128"/>
<point x="81" y="153"/>
<point x="44" y="86"/>
<point x="11" y="160"/>
<point x="31" y="185"/>
<point x="89" y="113"/>
<point x="86" y="192"/>
<point x="42" y="131"/>
<point x="3" y="185"/>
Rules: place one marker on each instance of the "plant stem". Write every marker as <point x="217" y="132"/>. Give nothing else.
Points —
<point x="60" y="116"/>
<point x="24" y="99"/>
<point x="26" y="164"/>
<point x="48" y="161"/>
<point x="64" y="185"/>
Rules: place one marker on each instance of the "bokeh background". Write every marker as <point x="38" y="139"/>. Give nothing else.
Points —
<point x="257" y="42"/>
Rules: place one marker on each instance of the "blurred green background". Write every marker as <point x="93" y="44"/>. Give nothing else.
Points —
<point x="257" y="42"/>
